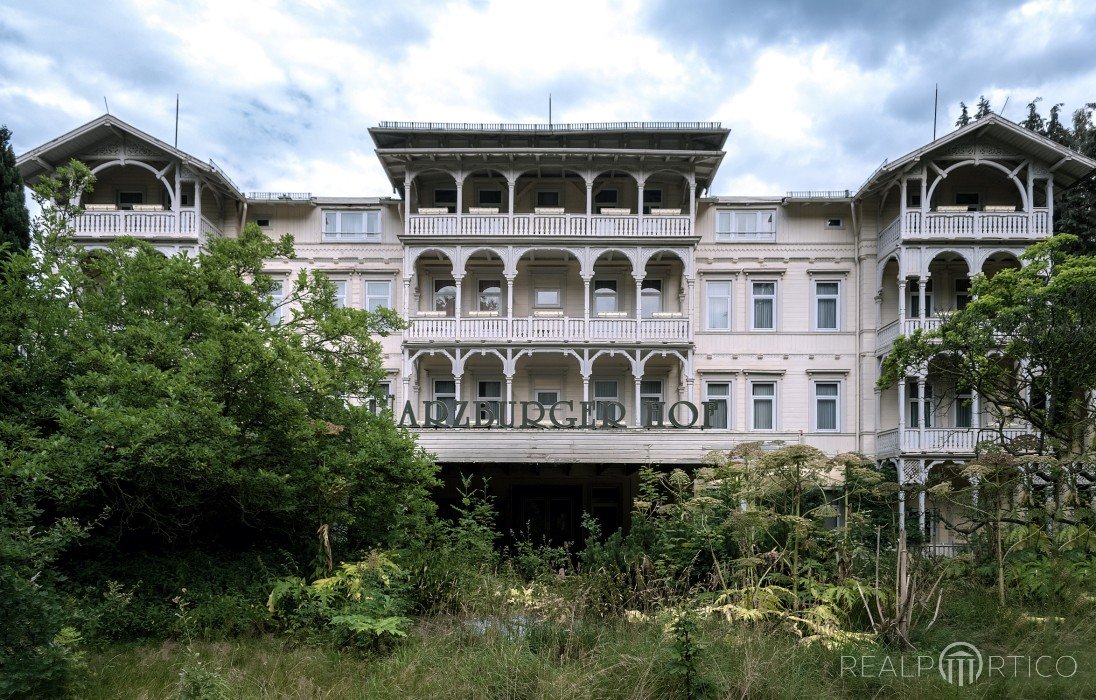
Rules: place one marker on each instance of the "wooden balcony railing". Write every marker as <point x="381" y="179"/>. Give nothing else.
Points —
<point x="940" y="440"/>
<point x="143" y="223"/>
<point x="560" y="329"/>
<point x="1021" y="225"/>
<point x="559" y="225"/>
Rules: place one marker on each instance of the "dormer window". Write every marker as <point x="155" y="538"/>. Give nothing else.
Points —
<point x="745" y="224"/>
<point x="352" y="225"/>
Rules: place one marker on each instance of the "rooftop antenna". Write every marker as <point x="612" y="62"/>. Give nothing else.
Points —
<point x="176" y="120"/>
<point x="935" y="109"/>
<point x="1004" y="106"/>
<point x="105" y="104"/>
<point x="549" y="109"/>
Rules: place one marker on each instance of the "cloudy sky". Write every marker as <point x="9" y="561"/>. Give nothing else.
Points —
<point x="817" y="94"/>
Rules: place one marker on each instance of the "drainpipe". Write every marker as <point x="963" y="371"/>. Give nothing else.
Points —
<point x="859" y="325"/>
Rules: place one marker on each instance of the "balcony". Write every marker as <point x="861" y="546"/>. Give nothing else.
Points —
<point x="885" y="336"/>
<point x="559" y="225"/>
<point x="557" y="330"/>
<point x="965" y="226"/>
<point x="152" y="224"/>
<point x="939" y="440"/>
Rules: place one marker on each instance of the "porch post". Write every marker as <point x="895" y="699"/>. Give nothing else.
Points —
<point x="457" y="281"/>
<point x="902" y="413"/>
<point x="511" y="185"/>
<point x="407" y="201"/>
<point x="509" y="306"/>
<point x="507" y="409"/>
<point x="639" y="304"/>
<point x="901" y="495"/>
<point x="586" y="307"/>
<point x="638" y="419"/>
<point x="975" y="411"/>
<point x="921" y="415"/>
<point x="921" y="298"/>
<point x="902" y="305"/>
<point x="407" y="296"/>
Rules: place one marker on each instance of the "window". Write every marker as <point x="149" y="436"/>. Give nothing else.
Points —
<point x="719" y="305"/>
<point x="827" y="295"/>
<point x="606" y="197"/>
<point x="340" y="293"/>
<point x="745" y="224"/>
<point x="915" y="300"/>
<point x="826" y="406"/>
<point x="763" y="313"/>
<point x="605" y="296"/>
<point x="962" y="293"/>
<point x="546" y="397"/>
<point x="339" y="225"/>
<point x="185" y="201"/>
<point x="835" y="223"/>
<point x="913" y="196"/>
<point x="927" y="412"/>
<point x="490" y="295"/>
<point x="964" y="410"/>
<point x="605" y="391"/>
<point x="127" y="198"/>
<point x="719" y="393"/>
<point x="650" y="393"/>
<point x="445" y="296"/>
<point x="547" y="293"/>
<point x="262" y="223"/>
<point x="277" y="296"/>
<point x="445" y="392"/>
<point x="972" y="200"/>
<point x="489" y="391"/>
<point x="446" y="197"/>
<point x="381" y="398"/>
<point x="763" y="406"/>
<point x="651" y="297"/>
<point x="489" y="197"/>
<point x="652" y="199"/>
<point x="378" y="294"/>
<point x="549" y="198"/>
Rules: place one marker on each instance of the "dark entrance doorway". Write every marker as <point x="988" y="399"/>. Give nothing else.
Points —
<point x="547" y="514"/>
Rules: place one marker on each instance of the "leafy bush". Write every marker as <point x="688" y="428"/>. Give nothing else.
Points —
<point x="362" y="604"/>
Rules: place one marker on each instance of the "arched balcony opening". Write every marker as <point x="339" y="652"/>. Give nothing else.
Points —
<point x="995" y="262"/>
<point x="613" y="297"/>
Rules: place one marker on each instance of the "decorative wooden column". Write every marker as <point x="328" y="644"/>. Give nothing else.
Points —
<point x="457" y="310"/>
<point x="921" y="299"/>
<point x="510" y="306"/>
<point x="638" y="420"/>
<point x="407" y="178"/>
<point x="586" y="307"/>
<point x="639" y="305"/>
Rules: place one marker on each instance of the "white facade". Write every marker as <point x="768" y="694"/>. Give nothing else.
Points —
<point x="590" y="263"/>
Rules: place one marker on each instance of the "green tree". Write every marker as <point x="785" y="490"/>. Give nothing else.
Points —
<point x="170" y="410"/>
<point x="983" y="109"/>
<point x="14" y="219"/>
<point x="1024" y="345"/>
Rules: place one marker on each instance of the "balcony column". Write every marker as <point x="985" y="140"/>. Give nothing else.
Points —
<point x="879" y="309"/>
<point x="638" y="419"/>
<point x="456" y="385"/>
<point x="921" y="299"/>
<point x="585" y="386"/>
<point x="902" y="414"/>
<point x="407" y="202"/>
<point x="692" y="205"/>
<point x="921" y="501"/>
<point x="639" y="305"/>
<point x="586" y="307"/>
<point x="407" y="296"/>
<point x="975" y="411"/>
<point x="177" y="202"/>
<point x="690" y="299"/>
<point x="197" y="207"/>
<point x="903" y="198"/>
<point x="508" y="409"/>
<point x="902" y="305"/>
<point x="458" y="178"/>
<point x="924" y="192"/>
<point x="690" y="389"/>
<point x="511" y="185"/>
<point x="509" y="306"/>
<point x="639" y="203"/>
<point x="456" y="311"/>
<point x="921" y="411"/>
<point x="589" y="201"/>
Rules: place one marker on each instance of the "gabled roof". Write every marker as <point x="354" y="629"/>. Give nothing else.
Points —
<point x="1067" y="166"/>
<point x="43" y="159"/>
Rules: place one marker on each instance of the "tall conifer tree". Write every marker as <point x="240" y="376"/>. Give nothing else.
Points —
<point x="14" y="218"/>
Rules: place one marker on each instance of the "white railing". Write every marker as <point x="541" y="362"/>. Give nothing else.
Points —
<point x="886" y="442"/>
<point x="549" y="225"/>
<point x="560" y="329"/>
<point x="954" y="439"/>
<point x="431" y="328"/>
<point x="886" y="335"/>
<point x="143" y="223"/>
<point x="973" y="224"/>
<point x="926" y="324"/>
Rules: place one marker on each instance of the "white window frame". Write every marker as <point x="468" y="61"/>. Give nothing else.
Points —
<point x="497" y="400"/>
<point x="727" y="399"/>
<point x="646" y="396"/>
<point x="618" y="295"/>
<point x="487" y="188"/>
<point x="548" y="282"/>
<point x="928" y="413"/>
<point x="498" y="282"/>
<point x="382" y="398"/>
<point x="816" y="398"/>
<point x="774" y="399"/>
<point x="649" y="201"/>
<point x="451" y="206"/>
<point x="602" y="205"/>
<point x="915" y="300"/>
<point x="342" y="293"/>
<point x="729" y="296"/>
<point x="332" y="225"/>
<point x="754" y="297"/>
<point x="661" y="281"/>
<point x="727" y="226"/>
<point x="442" y="396"/>
<point x="816" y="297"/>
<point x="962" y="293"/>
<point x="548" y="190"/>
<point x="434" y="279"/>
<point x="600" y="402"/>
<point x="140" y="192"/>
<point x="960" y="400"/>
<point x="371" y="297"/>
<point x="277" y="297"/>
<point x="835" y="222"/>
<point x="263" y="222"/>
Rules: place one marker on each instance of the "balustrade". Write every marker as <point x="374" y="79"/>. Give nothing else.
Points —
<point x="974" y="224"/>
<point x="558" y="329"/>
<point x="143" y="223"/>
<point x="559" y="225"/>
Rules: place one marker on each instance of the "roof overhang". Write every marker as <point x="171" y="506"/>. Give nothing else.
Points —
<point x="1065" y="165"/>
<point x="78" y="143"/>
